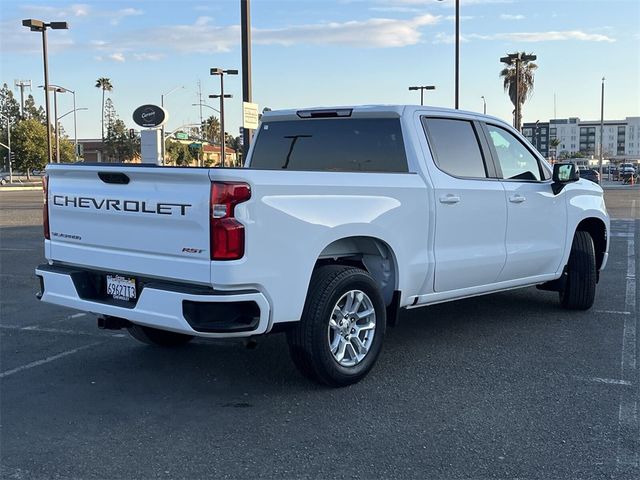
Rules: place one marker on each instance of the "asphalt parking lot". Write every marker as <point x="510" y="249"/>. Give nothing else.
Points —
<point x="501" y="386"/>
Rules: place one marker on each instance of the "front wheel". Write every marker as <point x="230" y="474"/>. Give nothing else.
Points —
<point x="340" y="334"/>
<point x="154" y="336"/>
<point x="579" y="291"/>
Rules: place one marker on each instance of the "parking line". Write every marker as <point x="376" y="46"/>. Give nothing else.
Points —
<point x="610" y="381"/>
<point x="613" y="312"/>
<point x="37" y="363"/>
<point x="628" y="426"/>
<point x="34" y="328"/>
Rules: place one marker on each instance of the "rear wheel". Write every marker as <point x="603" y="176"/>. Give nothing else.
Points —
<point x="579" y="291"/>
<point x="162" y="338"/>
<point x="341" y="332"/>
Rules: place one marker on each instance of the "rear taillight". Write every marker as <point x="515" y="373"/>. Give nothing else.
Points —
<point x="227" y="233"/>
<point x="45" y="207"/>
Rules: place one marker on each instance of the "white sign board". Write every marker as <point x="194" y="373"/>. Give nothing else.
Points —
<point x="250" y="115"/>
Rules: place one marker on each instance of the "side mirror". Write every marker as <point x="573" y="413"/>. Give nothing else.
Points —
<point x="564" y="173"/>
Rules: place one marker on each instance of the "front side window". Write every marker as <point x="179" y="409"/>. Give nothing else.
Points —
<point x="335" y="144"/>
<point x="455" y="147"/>
<point x="516" y="162"/>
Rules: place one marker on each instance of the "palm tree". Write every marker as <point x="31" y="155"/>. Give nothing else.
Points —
<point x="105" y="85"/>
<point x="554" y="144"/>
<point x="211" y="128"/>
<point x="508" y="75"/>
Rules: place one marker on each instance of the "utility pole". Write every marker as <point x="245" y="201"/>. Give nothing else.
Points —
<point x="245" y="27"/>
<point x="200" y="104"/>
<point x="21" y="84"/>
<point x="601" y="128"/>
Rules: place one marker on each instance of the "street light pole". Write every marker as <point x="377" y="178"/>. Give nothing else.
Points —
<point x="601" y="128"/>
<point x="204" y="105"/>
<point x="8" y="146"/>
<point x="40" y="26"/>
<point x="245" y="29"/>
<point x="422" y="89"/>
<point x="484" y="101"/>
<point x="162" y="146"/>
<point x="457" y="54"/>
<point x="56" y="129"/>
<point x="222" y="96"/>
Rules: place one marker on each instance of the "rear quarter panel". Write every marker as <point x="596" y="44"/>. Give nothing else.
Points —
<point x="292" y="216"/>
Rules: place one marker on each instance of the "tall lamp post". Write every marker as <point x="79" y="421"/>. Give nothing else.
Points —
<point x="222" y="96"/>
<point x="457" y="71"/>
<point x="40" y="26"/>
<point x="56" y="90"/>
<point x="162" y="146"/>
<point x="75" y="120"/>
<point x="8" y="146"/>
<point x="422" y="89"/>
<point x="517" y="58"/>
<point x="484" y="103"/>
<point x="602" y="128"/>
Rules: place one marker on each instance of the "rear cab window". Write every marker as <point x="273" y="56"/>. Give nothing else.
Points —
<point x="331" y="144"/>
<point x="455" y="147"/>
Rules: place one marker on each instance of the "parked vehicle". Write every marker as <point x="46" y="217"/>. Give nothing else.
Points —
<point x="627" y="168"/>
<point x="341" y="217"/>
<point x="590" y="174"/>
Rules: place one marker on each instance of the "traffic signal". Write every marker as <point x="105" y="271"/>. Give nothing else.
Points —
<point x="132" y="133"/>
<point x="12" y="158"/>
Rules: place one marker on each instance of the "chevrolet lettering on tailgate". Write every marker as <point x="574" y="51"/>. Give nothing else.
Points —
<point x="121" y="205"/>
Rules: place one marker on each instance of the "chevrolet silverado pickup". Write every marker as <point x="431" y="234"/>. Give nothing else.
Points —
<point x="340" y="218"/>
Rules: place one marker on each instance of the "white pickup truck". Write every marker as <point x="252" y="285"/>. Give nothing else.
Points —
<point x="341" y="217"/>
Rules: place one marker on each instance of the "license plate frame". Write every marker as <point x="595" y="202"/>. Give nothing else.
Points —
<point x="120" y="287"/>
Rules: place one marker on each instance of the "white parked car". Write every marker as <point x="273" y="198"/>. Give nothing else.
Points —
<point x="341" y="217"/>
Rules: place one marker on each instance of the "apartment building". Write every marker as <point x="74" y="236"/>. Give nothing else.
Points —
<point x="621" y="137"/>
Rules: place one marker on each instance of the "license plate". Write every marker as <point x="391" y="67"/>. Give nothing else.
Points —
<point x="121" y="288"/>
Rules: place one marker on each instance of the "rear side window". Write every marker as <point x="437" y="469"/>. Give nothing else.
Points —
<point x="454" y="145"/>
<point x="336" y="144"/>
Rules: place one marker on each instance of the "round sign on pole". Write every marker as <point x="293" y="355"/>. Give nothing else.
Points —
<point x="150" y="116"/>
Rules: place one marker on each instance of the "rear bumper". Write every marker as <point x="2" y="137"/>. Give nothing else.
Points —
<point x="172" y="307"/>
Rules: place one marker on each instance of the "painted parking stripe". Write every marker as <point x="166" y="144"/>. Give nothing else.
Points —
<point x="44" y="361"/>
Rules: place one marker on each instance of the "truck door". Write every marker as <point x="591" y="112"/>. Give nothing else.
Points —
<point x="470" y="207"/>
<point x="536" y="229"/>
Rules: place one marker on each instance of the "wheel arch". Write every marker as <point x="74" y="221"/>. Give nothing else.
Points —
<point x="369" y="253"/>
<point x="597" y="229"/>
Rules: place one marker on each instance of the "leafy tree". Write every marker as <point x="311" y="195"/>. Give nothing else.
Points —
<point x="30" y="110"/>
<point x="508" y="75"/>
<point x="9" y="107"/>
<point x="118" y="146"/>
<point x="179" y="153"/>
<point x="105" y="85"/>
<point x="29" y="142"/>
<point x="10" y="114"/>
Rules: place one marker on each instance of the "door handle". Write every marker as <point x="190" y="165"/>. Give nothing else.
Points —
<point x="449" y="199"/>
<point x="517" y="198"/>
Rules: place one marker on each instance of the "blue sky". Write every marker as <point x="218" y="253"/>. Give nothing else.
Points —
<point x="328" y="52"/>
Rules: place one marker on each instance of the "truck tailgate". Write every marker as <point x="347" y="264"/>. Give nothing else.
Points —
<point x="143" y="220"/>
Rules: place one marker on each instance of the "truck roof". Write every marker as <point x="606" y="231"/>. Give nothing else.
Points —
<point x="363" y="111"/>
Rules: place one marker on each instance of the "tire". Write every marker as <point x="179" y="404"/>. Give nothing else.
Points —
<point x="318" y="340"/>
<point x="161" y="338"/>
<point x="579" y="291"/>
